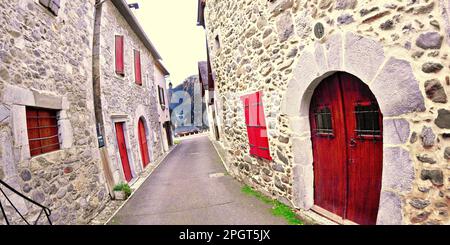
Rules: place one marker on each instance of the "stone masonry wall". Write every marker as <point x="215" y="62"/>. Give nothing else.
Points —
<point x="46" y="60"/>
<point x="123" y="98"/>
<point x="258" y="45"/>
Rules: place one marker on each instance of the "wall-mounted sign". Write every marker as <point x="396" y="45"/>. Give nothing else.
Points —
<point x="319" y="30"/>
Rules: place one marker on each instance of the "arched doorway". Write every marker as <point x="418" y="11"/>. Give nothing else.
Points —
<point x="143" y="145"/>
<point x="347" y="139"/>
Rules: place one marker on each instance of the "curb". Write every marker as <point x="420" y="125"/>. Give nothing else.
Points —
<point x="143" y="181"/>
<point x="220" y="156"/>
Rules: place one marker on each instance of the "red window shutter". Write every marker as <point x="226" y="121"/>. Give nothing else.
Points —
<point x="119" y="55"/>
<point x="137" y="67"/>
<point x="42" y="128"/>
<point x="33" y="132"/>
<point x="256" y="125"/>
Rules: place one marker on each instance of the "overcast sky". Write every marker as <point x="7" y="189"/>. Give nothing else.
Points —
<point x="171" y="25"/>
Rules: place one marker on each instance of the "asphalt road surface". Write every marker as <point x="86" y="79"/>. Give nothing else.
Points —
<point x="190" y="188"/>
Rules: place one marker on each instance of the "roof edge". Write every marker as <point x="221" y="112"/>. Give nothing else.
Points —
<point x="125" y="11"/>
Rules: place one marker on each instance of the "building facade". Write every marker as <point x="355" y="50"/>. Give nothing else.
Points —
<point x="128" y="109"/>
<point x="161" y="76"/>
<point x="336" y="107"/>
<point x="207" y="82"/>
<point x="48" y="143"/>
<point x="78" y="111"/>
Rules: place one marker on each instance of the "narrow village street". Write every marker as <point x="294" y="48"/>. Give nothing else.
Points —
<point x="191" y="187"/>
<point x="207" y="112"/>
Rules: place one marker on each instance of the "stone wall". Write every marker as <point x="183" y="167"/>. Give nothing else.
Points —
<point x="45" y="61"/>
<point x="163" y="112"/>
<point x="399" y="48"/>
<point x="124" y="100"/>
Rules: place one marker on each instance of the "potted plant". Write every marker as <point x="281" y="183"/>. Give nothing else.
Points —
<point x="122" y="191"/>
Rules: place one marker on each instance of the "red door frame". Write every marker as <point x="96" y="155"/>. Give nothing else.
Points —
<point x="121" y="144"/>
<point x="145" y="156"/>
<point x="347" y="166"/>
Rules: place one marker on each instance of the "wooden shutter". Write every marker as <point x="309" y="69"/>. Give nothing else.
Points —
<point x="42" y="128"/>
<point x="137" y="67"/>
<point x="251" y="129"/>
<point x="256" y="126"/>
<point x="119" y="55"/>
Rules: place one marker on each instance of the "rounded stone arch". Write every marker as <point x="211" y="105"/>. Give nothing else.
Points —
<point x="397" y="91"/>
<point x="140" y="114"/>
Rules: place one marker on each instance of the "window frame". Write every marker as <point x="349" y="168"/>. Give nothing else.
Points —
<point x="42" y="136"/>
<point x="357" y="131"/>
<point x="161" y="92"/>
<point x="318" y="132"/>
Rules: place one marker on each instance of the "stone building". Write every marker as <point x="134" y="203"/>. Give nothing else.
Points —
<point x="161" y="74"/>
<point x="336" y="107"/>
<point x="78" y="105"/>
<point x="48" y="143"/>
<point x="128" y="75"/>
<point x="207" y="82"/>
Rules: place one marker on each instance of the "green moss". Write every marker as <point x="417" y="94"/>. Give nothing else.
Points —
<point x="278" y="209"/>
<point x="123" y="187"/>
<point x="285" y="211"/>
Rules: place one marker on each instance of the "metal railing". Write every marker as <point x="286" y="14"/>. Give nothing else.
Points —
<point x="44" y="210"/>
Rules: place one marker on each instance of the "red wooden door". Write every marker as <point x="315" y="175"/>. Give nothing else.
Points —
<point x="143" y="144"/>
<point x="346" y="130"/>
<point x="123" y="151"/>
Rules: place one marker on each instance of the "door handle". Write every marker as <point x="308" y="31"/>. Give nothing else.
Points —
<point x="352" y="143"/>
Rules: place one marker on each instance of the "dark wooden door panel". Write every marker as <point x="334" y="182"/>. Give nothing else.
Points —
<point x="329" y="147"/>
<point x="365" y="150"/>
<point x="346" y="132"/>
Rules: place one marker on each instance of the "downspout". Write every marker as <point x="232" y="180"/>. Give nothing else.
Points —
<point x="96" y="78"/>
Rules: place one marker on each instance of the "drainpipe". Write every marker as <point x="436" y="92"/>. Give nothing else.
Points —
<point x="96" y="80"/>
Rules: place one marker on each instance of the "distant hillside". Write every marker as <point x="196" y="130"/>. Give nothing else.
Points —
<point x="188" y="86"/>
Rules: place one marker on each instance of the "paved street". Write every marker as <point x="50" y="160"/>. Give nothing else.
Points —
<point x="183" y="190"/>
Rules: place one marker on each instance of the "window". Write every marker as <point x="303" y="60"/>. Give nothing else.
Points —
<point x="162" y="100"/>
<point x="217" y="43"/>
<point x="367" y="119"/>
<point x="119" y="56"/>
<point x="52" y="5"/>
<point x="137" y="68"/>
<point x="256" y="125"/>
<point x="42" y="126"/>
<point x="324" y="124"/>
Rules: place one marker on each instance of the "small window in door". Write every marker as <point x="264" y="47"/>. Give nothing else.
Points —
<point x="324" y="125"/>
<point x="367" y="119"/>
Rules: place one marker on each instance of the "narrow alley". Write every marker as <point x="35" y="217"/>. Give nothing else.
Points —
<point x="190" y="187"/>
